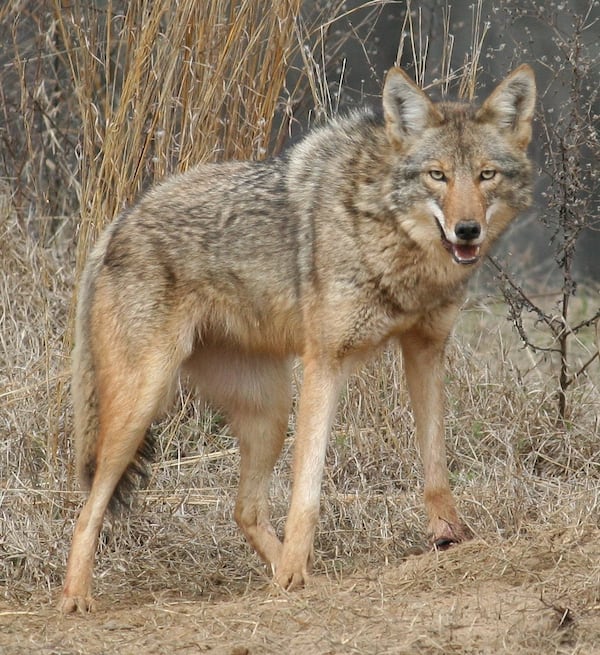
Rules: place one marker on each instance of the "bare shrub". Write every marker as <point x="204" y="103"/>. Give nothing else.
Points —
<point x="568" y="118"/>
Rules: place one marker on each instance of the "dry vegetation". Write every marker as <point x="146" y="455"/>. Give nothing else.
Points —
<point x="175" y="576"/>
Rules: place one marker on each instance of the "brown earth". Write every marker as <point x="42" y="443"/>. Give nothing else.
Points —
<point x="535" y="594"/>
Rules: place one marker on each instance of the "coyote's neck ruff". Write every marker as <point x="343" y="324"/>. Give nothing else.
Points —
<point x="364" y="232"/>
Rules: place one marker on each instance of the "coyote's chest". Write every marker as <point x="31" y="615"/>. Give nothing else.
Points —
<point x="421" y="283"/>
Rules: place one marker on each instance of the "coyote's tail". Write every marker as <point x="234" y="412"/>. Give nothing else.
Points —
<point x="83" y="384"/>
<point x="86" y="401"/>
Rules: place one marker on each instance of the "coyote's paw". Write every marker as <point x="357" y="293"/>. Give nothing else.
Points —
<point x="79" y="604"/>
<point x="289" y="580"/>
<point x="446" y="534"/>
<point x="294" y="572"/>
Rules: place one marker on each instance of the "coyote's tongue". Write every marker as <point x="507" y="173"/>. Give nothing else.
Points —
<point x="465" y="254"/>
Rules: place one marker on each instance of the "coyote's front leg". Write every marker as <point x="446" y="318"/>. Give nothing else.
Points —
<point x="423" y="351"/>
<point x="318" y="400"/>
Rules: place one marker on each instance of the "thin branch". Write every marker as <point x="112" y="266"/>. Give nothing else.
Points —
<point x="582" y="370"/>
<point x="587" y="323"/>
<point x="531" y="306"/>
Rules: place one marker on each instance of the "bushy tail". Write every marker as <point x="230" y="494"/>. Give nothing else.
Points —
<point x="84" y="389"/>
<point x="83" y="386"/>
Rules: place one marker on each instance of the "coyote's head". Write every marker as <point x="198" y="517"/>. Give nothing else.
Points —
<point x="462" y="172"/>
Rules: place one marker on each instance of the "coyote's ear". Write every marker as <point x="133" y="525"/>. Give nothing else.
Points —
<point x="511" y="105"/>
<point x="407" y="109"/>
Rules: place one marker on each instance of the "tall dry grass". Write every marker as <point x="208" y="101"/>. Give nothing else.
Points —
<point x="159" y="86"/>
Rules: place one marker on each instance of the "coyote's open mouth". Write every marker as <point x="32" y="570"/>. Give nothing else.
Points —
<point x="463" y="253"/>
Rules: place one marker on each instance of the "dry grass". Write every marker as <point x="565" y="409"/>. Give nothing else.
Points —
<point x="175" y="575"/>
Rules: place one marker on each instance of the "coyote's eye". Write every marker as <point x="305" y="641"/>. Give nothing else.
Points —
<point x="437" y="175"/>
<point x="487" y="174"/>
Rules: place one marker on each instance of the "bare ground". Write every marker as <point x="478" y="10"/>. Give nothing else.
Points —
<point x="537" y="594"/>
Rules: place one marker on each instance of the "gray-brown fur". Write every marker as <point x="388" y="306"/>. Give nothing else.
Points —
<point x="347" y="241"/>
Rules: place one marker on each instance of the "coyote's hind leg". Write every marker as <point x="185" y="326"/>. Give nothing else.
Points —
<point x="131" y="378"/>
<point x="255" y="393"/>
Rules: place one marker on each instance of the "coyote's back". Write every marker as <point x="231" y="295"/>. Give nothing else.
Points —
<point x="367" y="231"/>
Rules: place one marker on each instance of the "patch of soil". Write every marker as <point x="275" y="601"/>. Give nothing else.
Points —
<point x="534" y="595"/>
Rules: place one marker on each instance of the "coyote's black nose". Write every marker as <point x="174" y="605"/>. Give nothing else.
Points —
<point x="467" y="230"/>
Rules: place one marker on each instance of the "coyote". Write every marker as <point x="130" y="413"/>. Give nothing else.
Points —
<point x="363" y="233"/>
